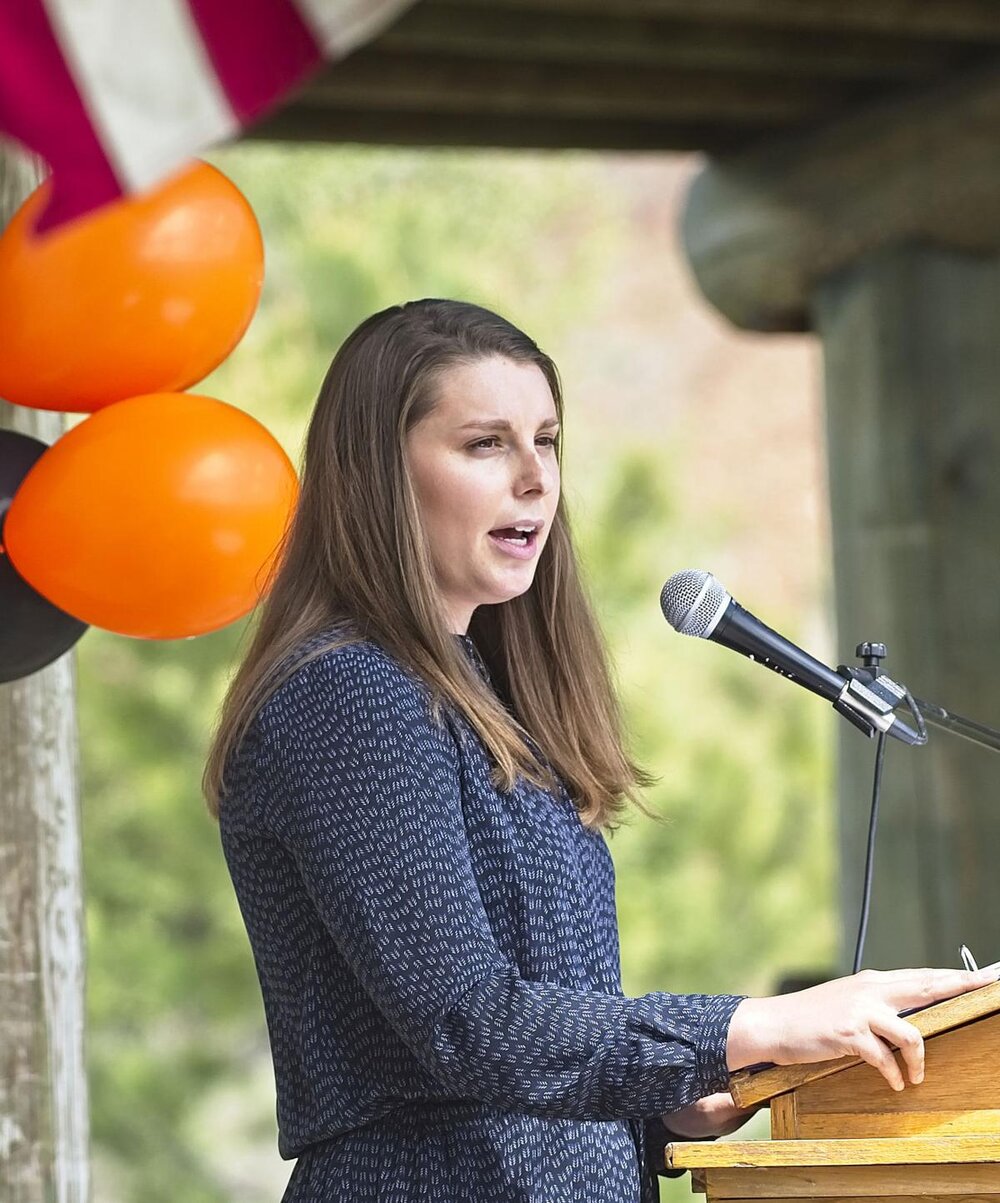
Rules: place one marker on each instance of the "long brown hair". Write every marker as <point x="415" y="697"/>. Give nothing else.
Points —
<point x="354" y="555"/>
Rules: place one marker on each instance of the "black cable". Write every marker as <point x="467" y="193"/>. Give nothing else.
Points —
<point x="918" y="717"/>
<point x="870" y="858"/>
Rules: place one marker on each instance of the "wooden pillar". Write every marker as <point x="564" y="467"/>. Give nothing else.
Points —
<point x="44" y="1132"/>
<point x="911" y="339"/>
<point x="881" y="234"/>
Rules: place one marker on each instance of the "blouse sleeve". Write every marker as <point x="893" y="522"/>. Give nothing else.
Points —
<point x="364" y="790"/>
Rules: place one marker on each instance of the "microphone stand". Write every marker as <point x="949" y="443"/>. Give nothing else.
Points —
<point x="978" y="733"/>
<point x="883" y="695"/>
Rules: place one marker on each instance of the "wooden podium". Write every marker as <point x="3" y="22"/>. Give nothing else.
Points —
<point x="839" y="1132"/>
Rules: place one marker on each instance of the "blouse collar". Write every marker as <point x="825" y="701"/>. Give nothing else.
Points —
<point x="468" y="645"/>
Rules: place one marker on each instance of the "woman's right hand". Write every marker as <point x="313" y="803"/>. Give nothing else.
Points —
<point x="851" y="1016"/>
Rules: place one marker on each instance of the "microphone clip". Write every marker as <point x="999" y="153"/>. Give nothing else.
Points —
<point x="870" y="697"/>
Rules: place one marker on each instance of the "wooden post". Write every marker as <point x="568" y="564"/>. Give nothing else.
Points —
<point x="44" y="1132"/>
<point x="881" y="233"/>
<point x="911" y="338"/>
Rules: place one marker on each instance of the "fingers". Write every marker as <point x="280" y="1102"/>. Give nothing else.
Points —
<point x="906" y="1038"/>
<point x="877" y="1053"/>
<point x="916" y="987"/>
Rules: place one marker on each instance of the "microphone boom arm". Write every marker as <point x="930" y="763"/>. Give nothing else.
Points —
<point x="888" y="692"/>
<point x="967" y="728"/>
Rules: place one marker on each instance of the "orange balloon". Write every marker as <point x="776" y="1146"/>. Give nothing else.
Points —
<point x="147" y="294"/>
<point x="157" y="517"/>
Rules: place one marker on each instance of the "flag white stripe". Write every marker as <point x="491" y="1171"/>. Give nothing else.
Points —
<point x="146" y="80"/>
<point x="341" y="25"/>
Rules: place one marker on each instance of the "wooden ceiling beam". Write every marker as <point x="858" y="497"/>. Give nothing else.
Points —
<point x="308" y="123"/>
<point x="762" y="227"/>
<point x="457" y="28"/>
<point x="949" y="20"/>
<point x="378" y="81"/>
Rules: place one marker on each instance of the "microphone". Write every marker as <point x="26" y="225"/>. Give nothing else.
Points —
<point x="695" y="603"/>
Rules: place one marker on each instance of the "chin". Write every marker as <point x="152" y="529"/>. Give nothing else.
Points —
<point x="499" y="594"/>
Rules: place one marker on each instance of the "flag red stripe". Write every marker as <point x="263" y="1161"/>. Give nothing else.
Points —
<point x="259" y="49"/>
<point x="41" y="107"/>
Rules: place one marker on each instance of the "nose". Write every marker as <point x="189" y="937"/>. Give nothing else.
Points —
<point x="536" y="472"/>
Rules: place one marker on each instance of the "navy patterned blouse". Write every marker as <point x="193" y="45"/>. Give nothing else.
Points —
<point x="439" y="961"/>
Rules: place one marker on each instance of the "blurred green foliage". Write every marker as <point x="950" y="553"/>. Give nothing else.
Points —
<point x="731" y="889"/>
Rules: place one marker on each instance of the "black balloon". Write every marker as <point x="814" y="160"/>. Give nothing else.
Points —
<point x="33" y="632"/>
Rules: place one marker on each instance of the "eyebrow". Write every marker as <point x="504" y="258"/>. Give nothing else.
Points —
<point x="502" y="424"/>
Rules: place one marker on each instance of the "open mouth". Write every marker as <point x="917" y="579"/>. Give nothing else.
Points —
<point x="517" y="538"/>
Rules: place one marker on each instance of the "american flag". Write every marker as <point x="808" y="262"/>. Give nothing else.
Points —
<point x="116" y="94"/>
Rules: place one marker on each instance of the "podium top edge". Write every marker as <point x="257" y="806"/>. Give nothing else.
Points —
<point x="757" y="1086"/>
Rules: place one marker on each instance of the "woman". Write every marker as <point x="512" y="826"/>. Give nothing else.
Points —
<point x="422" y="748"/>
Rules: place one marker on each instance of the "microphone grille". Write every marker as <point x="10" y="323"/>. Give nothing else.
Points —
<point x="692" y="601"/>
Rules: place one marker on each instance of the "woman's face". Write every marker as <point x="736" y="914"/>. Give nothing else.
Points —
<point x="484" y="458"/>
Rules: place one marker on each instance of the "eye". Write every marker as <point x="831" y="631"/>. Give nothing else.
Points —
<point x="551" y="440"/>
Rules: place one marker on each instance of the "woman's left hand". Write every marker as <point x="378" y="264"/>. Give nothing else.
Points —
<point x="713" y="1115"/>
